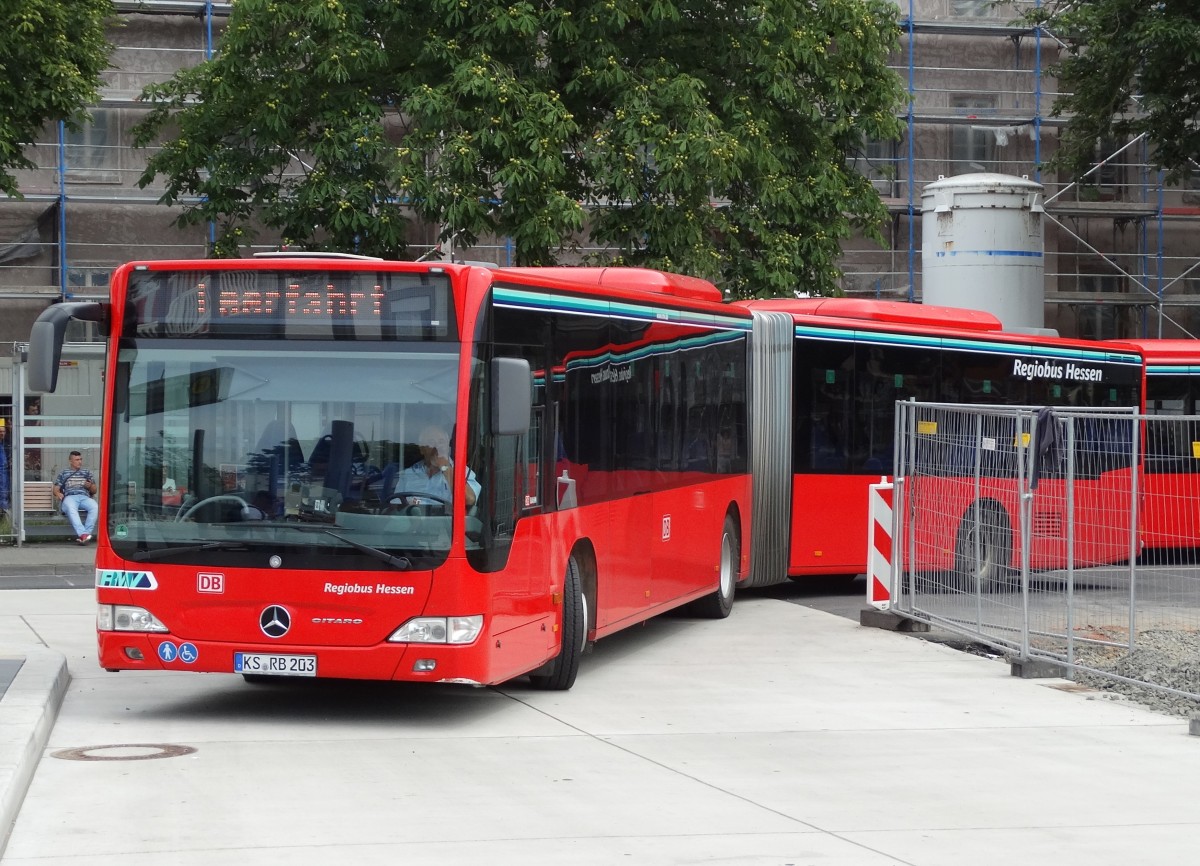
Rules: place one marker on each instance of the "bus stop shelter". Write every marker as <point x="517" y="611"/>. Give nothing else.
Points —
<point x="45" y="429"/>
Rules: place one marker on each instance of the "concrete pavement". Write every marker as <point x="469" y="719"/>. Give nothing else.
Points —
<point x="33" y="677"/>
<point x="47" y="557"/>
<point x="867" y="712"/>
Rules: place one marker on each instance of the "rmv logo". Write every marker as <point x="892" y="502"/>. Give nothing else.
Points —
<point x="126" y="579"/>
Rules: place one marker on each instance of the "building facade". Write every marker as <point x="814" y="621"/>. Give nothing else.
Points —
<point x="1120" y="249"/>
<point x="1121" y="255"/>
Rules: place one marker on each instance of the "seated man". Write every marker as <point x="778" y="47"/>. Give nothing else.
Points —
<point x="74" y="489"/>
<point x="431" y="474"/>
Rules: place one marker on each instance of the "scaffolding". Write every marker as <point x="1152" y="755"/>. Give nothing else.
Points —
<point x="1120" y="248"/>
<point x="1120" y="255"/>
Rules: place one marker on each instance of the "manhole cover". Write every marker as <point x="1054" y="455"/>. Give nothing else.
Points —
<point x="123" y="752"/>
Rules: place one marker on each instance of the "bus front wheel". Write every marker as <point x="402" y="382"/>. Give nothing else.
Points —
<point x="718" y="604"/>
<point x="559" y="675"/>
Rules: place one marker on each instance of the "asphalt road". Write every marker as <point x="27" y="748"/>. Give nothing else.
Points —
<point x="838" y="595"/>
<point x="46" y="581"/>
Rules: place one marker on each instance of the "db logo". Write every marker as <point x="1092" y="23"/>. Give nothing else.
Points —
<point x="666" y="527"/>
<point x="209" y="582"/>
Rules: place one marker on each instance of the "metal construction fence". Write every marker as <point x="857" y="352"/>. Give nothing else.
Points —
<point x="1061" y="535"/>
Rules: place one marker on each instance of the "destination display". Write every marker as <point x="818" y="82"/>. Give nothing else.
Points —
<point x="316" y="304"/>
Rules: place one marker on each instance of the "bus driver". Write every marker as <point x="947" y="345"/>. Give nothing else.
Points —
<point x="431" y="474"/>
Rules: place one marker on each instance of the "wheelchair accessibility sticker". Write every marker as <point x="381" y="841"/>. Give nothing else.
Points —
<point x="185" y="652"/>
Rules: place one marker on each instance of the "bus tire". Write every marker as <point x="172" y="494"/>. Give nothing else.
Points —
<point x="718" y="604"/>
<point x="559" y="675"/>
<point x="991" y="569"/>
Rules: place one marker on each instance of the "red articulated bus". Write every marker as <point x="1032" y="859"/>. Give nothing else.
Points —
<point x="828" y="387"/>
<point x="1170" y="477"/>
<point x="277" y="429"/>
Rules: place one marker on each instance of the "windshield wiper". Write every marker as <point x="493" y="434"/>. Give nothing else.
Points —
<point x="162" y="553"/>
<point x="401" y="562"/>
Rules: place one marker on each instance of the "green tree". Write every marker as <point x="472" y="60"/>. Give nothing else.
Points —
<point x="51" y="57"/>
<point x="1130" y="68"/>
<point x="699" y="136"/>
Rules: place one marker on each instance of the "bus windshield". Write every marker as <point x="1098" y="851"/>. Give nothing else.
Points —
<point x="227" y="452"/>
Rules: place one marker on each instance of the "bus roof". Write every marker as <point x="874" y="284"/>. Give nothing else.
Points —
<point x="620" y="278"/>
<point x="638" y="279"/>
<point x="1165" y="351"/>
<point x="890" y="312"/>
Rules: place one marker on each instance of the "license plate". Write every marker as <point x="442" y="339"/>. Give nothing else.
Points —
<point x="273" y="664"/>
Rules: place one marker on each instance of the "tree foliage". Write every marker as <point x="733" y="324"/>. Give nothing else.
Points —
<point x="51" y="57"/>
<point x="1131" y="68"/>
<point x="698" y="136"/>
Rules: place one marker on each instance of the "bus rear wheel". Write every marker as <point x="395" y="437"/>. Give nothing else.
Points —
<point x="982" y="550"/>
<point x="559" y="675"/>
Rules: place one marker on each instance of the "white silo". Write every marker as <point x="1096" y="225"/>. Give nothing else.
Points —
<point x="982" y="247"/>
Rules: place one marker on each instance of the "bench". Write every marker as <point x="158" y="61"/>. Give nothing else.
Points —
<point x="39" y="498"/>
<point x="42" y="517"/>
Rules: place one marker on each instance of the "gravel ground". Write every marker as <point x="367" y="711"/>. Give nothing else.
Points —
<point x="1168" y="658"/>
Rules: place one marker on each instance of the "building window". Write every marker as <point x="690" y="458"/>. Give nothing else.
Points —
<point x="877" y="161"/>
<point x="972" y="8"/>
<point x="88" y="279"/>
<point x="92" y="152"/>
<point x="1190" y="187"/>
<point x="973" y="148"/>
<point x="1106" y="181"/>
<point x="1099" y="321"/>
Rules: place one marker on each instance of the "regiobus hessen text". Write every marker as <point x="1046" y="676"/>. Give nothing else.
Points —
<point x="1030" y="370"/>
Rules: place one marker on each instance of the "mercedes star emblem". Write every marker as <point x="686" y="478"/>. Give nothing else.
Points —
<point x="275" y="621"/>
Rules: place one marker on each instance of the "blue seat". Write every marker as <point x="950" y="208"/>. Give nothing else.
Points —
<point x="387" y="482"/>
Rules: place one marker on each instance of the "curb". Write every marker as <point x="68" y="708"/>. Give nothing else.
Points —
<point x="68" y="570"/>
<point x="28" y="710"/>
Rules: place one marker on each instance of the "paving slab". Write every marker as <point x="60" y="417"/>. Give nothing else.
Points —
<point x="781" y="735"/>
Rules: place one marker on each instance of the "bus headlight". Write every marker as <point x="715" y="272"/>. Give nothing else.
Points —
<point x="126" y="617"/>
<point x="439" y="629"/>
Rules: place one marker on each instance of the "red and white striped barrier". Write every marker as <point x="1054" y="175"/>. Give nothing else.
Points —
<point x="879" y="546"/>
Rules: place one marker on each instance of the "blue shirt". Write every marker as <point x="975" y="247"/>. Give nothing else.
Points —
<point x="73" y="482"/>
<point x="416" y="479"/>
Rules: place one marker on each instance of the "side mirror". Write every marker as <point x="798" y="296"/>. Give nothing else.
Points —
<point x="512" y="396"/>
<point x="46" y="340"/>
